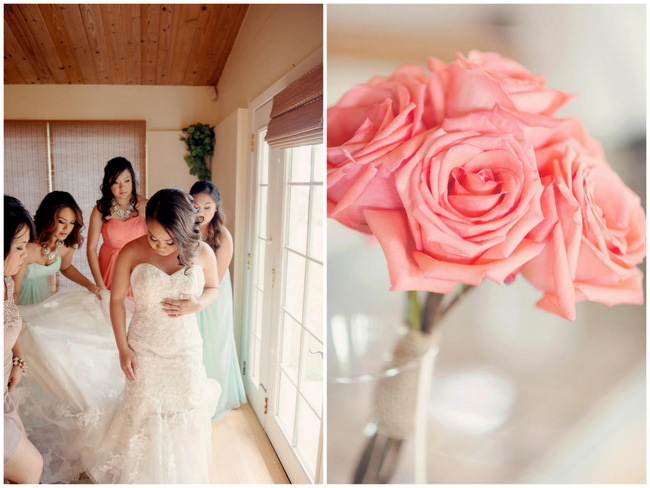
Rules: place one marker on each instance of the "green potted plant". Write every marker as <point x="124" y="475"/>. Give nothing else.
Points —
<point x="199" y="139"/>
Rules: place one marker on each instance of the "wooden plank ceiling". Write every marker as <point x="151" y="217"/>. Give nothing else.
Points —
<point x="126" y="44"/>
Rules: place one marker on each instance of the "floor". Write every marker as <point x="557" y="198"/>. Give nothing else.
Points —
<point x="241" y="451"/>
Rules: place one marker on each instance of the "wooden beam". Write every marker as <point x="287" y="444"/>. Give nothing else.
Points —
<point x="149" y="30"/>
<point x="168" y="17"/>
<point x="111" y="16"/>
<point x="203" y="52"/>
<point x="17" y="25"/>
<point x="183" y="39"/>
<point x="44" y="44"/>
<point x="132" y="40"/>
<point x="92" y="17"/>
<point x="15" y="56"/>
<point x="74" y="24"/>
<point x="56" y="27"/>
<point x="227" y="32"/>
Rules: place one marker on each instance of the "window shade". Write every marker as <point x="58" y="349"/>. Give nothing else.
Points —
<point x="297" y="113"/>
<point x="25" y="165"/>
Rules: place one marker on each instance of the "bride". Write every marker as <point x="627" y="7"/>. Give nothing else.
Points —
<point x="79" y="412"/>
<point x="159" y="429"/>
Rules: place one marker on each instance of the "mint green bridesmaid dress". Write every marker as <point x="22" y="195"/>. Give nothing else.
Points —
<point x="34" y="288"/>
<point x="219" y="350"/>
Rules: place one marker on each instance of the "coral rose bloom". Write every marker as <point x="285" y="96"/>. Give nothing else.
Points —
<point x="482" y="80"/>
<point x="599" y="236"/>
<point x="371" y="131"/>
<point x="471" y="195"/>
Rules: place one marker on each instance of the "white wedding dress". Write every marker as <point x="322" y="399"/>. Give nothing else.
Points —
<point x="73" y="369"/>
<point x="158" y="430"/>
<point x="82" y="415"/>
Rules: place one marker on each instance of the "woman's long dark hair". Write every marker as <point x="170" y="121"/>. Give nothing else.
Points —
<point x="213" y="233"/>
<point x="45" y="218"/>
<point x="111" y="171"/>
<point x="16" y="217"/>
<point x="174" y="210"/>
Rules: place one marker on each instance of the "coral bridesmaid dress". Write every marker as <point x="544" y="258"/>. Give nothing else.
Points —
<point x="116" y="234"/>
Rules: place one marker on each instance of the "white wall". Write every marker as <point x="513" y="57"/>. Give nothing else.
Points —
<point x="273" y="39"/>
<point x="229" y="173"/>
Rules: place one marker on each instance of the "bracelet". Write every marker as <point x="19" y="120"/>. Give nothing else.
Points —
<point x="20" y="362"/>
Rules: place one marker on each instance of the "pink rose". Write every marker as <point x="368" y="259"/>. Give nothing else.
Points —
<point x="370" y="132"/>
<point x="471" y="195"/>
<point x="600" y="236"/>
<point x="483" y="80"/>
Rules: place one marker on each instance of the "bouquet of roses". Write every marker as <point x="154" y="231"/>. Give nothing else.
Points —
<point x="463" y="173"/>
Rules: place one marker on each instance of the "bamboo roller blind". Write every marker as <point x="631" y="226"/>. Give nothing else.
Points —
<point x="297" y="113"/>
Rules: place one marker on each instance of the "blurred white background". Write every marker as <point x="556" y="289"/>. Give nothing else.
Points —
<point x="518" y="395"/>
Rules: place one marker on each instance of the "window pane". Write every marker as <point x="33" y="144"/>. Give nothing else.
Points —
<point x="287" y="406"/>
<point x="255" y="360"/>
<point x="258" y="307"/>
<point x="297" y="209"/>
<point x="311" y="376"/>
<point x="260" y="256"/>
<point x="262" y="192"/>
<point x="300" y="164"/>
<point x="308" y="435"/>
<point x="291" y="347"/>
<point x="316" y="223"/>
<point x="263" y="161"/>
<point x="314" y="319"/>
<point x="317" y="175"/>
<point x="295" y="283"/>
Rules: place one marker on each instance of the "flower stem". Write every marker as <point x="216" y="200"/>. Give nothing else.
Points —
<point x="413" y="315"/>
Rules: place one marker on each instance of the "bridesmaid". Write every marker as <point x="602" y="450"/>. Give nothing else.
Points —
<point x="118" y="216"/>
<point x="23" y="462"/>
<point x="58" y="228"/>
<point x="216" y="320"/>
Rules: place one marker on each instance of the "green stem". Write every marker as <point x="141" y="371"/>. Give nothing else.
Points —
<point x="413" y="316"/>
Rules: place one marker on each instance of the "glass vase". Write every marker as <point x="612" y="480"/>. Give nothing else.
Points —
<point x="379" y="377"/>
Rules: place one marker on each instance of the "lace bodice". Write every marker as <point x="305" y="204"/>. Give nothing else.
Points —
<point x="151" y="326"/>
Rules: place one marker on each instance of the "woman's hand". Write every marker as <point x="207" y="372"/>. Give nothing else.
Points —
<point x="95" y="289"/>
<point x="14" y="377"/>
<point x="184" y="305"/>
<point x="128" y="363"/>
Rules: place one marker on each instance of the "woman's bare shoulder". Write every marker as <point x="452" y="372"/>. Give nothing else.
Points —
<point x="33" y="252"/>
<point x="205" y="254"/>
<point x="136" y="245"/>
<point x="226" y="236"/>
<point x="142" y="204"/>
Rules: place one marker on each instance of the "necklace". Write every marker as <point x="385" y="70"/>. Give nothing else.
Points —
<point x="52" y="255"/>
<point x="122" y="214"/>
